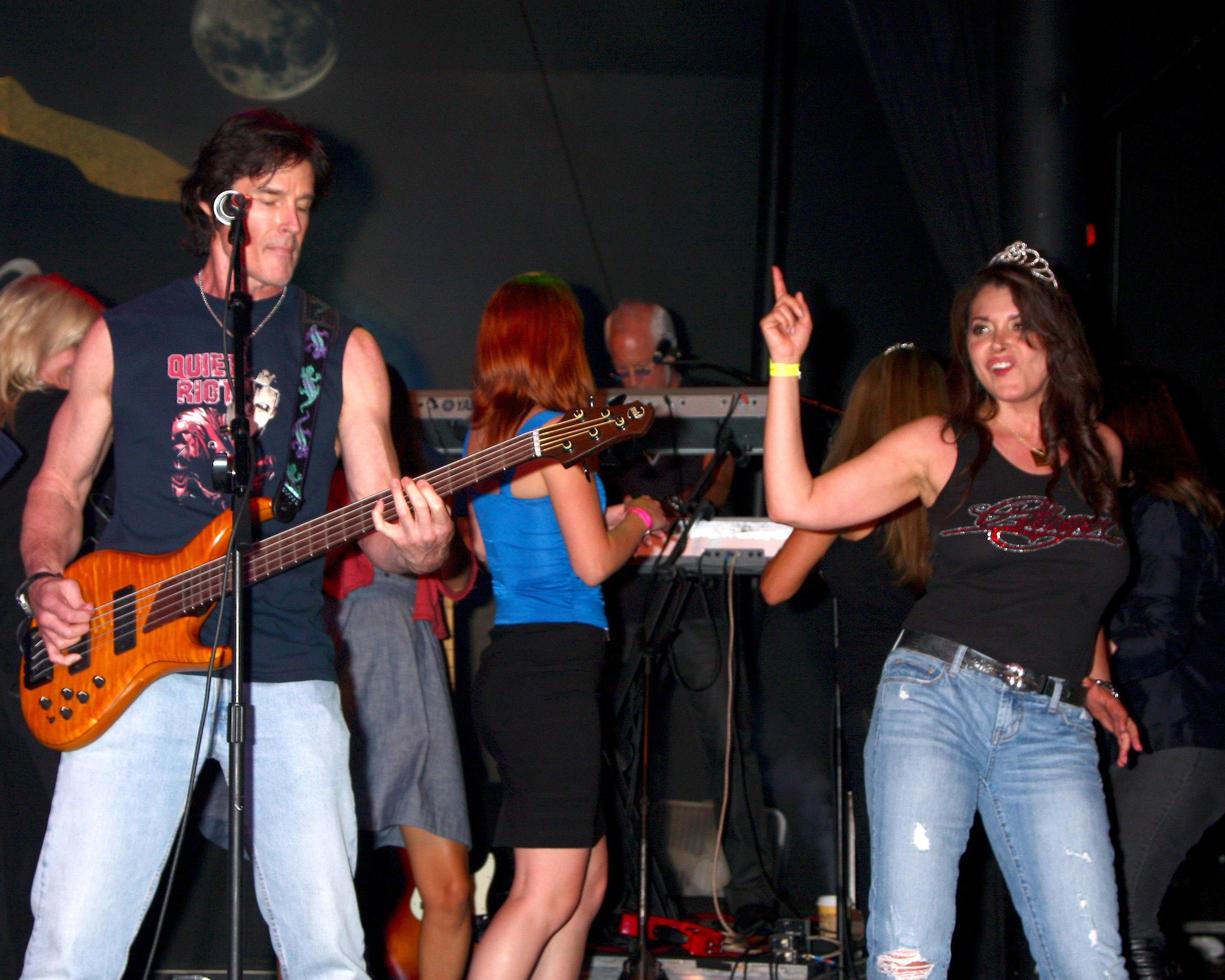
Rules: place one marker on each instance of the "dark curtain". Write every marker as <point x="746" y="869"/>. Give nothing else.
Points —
<point x="932" y="63"/>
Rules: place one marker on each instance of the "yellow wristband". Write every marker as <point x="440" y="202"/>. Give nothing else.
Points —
<point x="784" y="370"/>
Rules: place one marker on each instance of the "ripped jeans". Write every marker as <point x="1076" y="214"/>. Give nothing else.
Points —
<point x="945" y="742"/>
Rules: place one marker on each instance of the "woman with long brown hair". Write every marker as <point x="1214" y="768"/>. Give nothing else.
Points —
<point x="1169" y="629"/>
<point x="543" y="532"/>
<point x="985" y="701"/>
<point x="875" y="571"/>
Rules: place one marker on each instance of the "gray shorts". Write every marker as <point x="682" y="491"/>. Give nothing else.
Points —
<point x="404" y="751"/>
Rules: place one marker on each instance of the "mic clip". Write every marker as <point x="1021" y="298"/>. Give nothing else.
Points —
<point x="229" y="206"/>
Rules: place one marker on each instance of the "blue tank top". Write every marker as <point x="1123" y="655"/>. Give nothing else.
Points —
<point x="169" y="401"/>
<point x="533" y="580"/>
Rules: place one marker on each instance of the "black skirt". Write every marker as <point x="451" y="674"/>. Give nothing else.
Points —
<point x="537" y="712"/>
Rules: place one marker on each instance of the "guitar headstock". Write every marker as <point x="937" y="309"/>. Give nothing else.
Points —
<point x="585" y="431"/>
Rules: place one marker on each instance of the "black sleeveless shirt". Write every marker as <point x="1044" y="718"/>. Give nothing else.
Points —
<point x="169" y="400"/>
<point x="1016" y="575"/>
<point x="871" y="607"/>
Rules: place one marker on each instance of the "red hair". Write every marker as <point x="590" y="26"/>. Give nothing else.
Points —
<point x="529" y="352"/>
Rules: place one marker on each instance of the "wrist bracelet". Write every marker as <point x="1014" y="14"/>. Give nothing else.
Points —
<point x="23" y="590"/>
<point x="642" y="515"/>
<point x="778" y="370"/>
<point x="1106" y="686"/>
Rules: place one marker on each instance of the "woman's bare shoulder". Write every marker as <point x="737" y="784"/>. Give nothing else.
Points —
<point x="930" y="431"/>
<point x="931" y="444"/>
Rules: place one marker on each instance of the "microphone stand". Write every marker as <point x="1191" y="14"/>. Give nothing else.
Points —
<point x="658" y="634"/>
<point x="238" y="305"/>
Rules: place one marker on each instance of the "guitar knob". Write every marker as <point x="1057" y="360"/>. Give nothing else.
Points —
<point x="65" y="713"/>
<point x="83" y="696"/>
<point x="98" y="680"/>
<point x="66" y="693"/>
<point x="44" y="702"/>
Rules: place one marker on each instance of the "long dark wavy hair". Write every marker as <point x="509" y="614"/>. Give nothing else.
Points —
<point x="248" y="144"/>
<point x="1072" y="400"/>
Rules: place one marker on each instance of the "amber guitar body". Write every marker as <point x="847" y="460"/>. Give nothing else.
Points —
<point x="403" y="932"/>
<point x="149" y="609"/>
<point x="63" y="710"/>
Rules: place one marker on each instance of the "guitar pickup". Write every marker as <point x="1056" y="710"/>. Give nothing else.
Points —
<point x="123" y="629"/>
<point x="82" y="646"/>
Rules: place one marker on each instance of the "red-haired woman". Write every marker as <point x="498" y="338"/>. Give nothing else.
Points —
<point x="541" y="530"/>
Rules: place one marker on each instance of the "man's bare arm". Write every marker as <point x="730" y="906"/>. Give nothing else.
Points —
<point x="52" y="521"/>
<point x="421" y="538"/>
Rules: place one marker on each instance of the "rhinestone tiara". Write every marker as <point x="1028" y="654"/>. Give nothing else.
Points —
<point x="1018" y="253"/>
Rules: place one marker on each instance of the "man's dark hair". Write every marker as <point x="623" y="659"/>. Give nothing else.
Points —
<point x="248" y="144"/>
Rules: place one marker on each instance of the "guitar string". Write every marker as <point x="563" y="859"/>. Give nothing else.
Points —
<point x="210" y="573"/>
<point x="273" y="558"/>
<point x="265" y="563"/>
<point x="447" y="478"/>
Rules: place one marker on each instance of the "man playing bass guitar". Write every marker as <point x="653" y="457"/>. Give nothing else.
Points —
<point x="151" y="378"/>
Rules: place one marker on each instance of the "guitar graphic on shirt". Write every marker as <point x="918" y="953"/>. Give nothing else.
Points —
<point x="149" y="609"/>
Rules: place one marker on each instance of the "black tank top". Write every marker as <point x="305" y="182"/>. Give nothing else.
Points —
<point x="1019" y="576"/>
<point x="169" y="400"/>
<point x="871" y="608"/>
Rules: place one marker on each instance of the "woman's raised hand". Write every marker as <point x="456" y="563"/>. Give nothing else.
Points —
<point x="788" y="327"/>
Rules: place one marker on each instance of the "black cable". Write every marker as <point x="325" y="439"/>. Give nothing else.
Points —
<point x="565" y="149"/>
<point x="191" y="778"/>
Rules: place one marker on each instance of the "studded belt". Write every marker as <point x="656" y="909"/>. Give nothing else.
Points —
<point x="1014" y="675"/>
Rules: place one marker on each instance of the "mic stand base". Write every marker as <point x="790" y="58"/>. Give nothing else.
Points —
<point x="643" y="967"/>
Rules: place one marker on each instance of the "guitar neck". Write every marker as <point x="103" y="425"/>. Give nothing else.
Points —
<point x="567" y="440"/>
<point x="353" y="521"/>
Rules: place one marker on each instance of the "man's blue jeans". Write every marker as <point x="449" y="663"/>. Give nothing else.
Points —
<point x="945" y="742"/>
<point x="118" y="801"/>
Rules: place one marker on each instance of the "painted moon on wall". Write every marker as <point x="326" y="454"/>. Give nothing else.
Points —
<point x="265" y="49"/>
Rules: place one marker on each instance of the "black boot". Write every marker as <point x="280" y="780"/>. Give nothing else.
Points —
<point x="1146" y="959"/>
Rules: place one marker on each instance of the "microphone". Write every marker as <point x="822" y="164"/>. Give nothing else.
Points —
<point x="229" y="206"/>
<point x="664" y="350"/>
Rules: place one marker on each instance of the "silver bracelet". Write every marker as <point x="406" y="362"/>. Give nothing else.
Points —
<point x="1106" y="686"/>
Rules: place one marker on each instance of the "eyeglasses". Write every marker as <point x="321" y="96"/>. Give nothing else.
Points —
<point x="638" y="371"/>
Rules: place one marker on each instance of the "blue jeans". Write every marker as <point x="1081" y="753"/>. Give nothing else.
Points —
<point x="946" y="742"/>
<point x="118" y="801"/>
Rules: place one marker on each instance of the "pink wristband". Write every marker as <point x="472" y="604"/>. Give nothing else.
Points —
<point x="643" y="515"/>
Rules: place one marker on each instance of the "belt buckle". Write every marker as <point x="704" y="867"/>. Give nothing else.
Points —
<point x="1014" y="675"/>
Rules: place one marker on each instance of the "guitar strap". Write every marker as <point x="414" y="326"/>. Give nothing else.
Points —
<point x="320" y="323"/>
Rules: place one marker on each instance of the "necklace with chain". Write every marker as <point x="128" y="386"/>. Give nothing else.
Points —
<point x="1040" y="456"/>
<point x="221" y="323"/>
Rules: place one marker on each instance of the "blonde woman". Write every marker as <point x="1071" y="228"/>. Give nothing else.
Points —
<point x="42" y="320"/>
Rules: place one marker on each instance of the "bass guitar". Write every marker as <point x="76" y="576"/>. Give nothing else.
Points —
<point x="149" y="609"/>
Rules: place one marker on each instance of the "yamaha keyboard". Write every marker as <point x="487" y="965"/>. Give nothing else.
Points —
<point x="740" y="545"/>
<point x="687" y="420"/>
